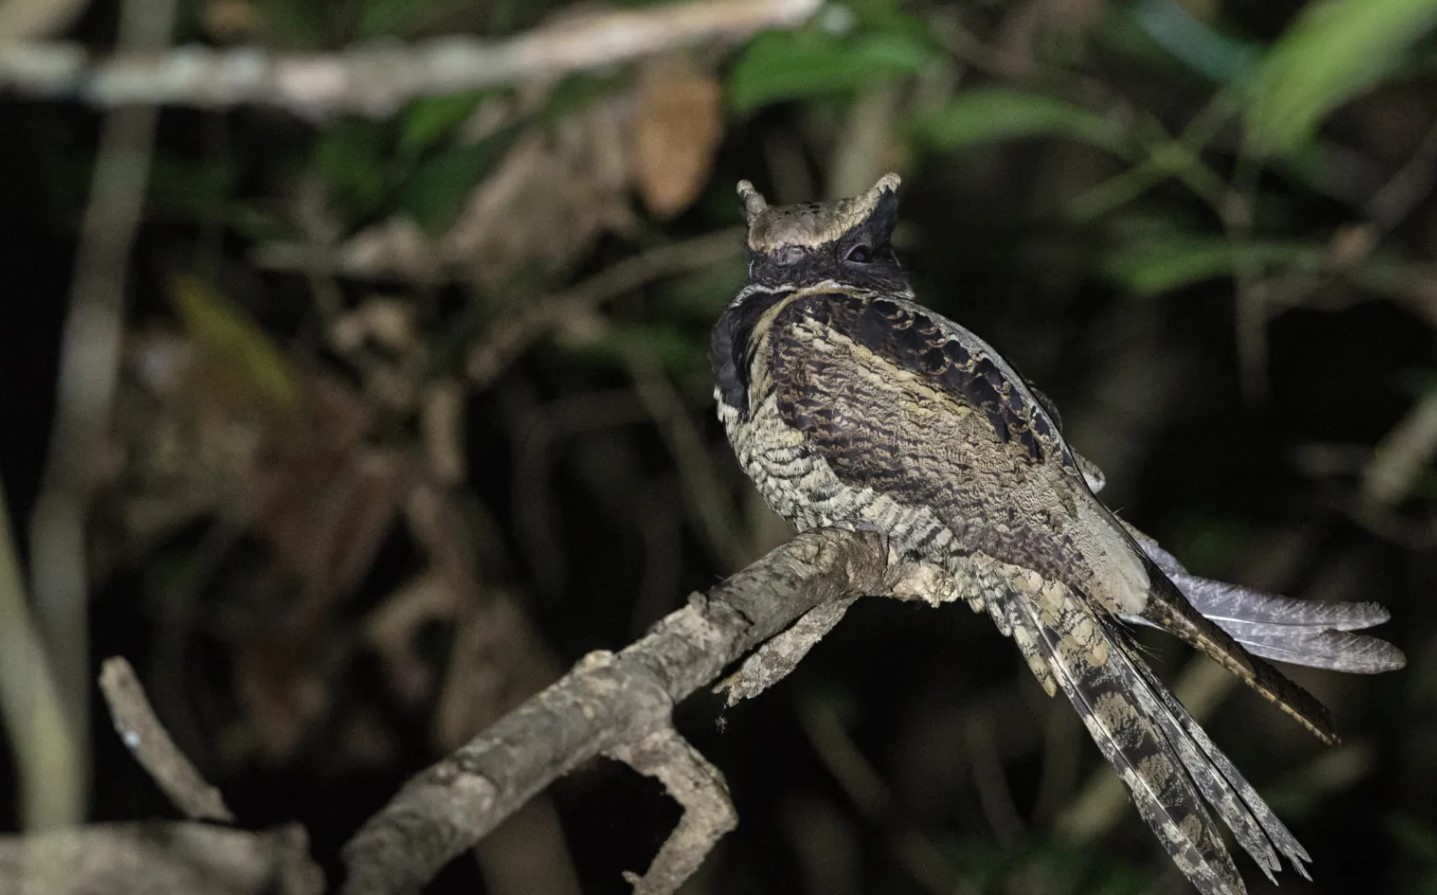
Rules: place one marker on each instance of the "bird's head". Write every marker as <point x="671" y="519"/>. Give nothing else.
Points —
<point x="845" y="242"/>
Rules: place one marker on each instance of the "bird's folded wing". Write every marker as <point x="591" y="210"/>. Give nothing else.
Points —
<point x="1298" y="632"/>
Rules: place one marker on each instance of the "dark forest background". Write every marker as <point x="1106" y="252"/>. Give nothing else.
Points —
<point x="412" y="411"/>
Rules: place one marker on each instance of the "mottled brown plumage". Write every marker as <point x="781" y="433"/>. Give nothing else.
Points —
<point x="850" y="405"/>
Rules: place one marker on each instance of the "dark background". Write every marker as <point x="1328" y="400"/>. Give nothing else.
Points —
<point x="339" y="524"/>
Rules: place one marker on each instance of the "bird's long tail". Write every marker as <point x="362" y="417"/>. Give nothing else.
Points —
<point x="1172" y="768"/>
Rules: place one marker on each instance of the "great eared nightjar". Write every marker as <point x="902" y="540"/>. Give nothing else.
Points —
<point x="850" y="405"/>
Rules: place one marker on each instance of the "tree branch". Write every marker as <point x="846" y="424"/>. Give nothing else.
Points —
<point x="377" y="79"/>
<point x="616" y="704"/>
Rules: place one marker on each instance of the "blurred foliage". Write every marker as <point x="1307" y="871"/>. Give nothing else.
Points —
<point x="415" y="411"/>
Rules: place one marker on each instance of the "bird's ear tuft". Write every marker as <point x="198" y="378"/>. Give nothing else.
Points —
<point x="884" y="202"/>
<point x="754" y="204"/>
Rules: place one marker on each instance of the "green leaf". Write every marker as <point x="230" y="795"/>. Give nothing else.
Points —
<point x="430" y="119"/>
<point x="438" y="187"/>
<point x="677" y="350"/>
<point x="982" y="116"/>
<point x="1199" y="46"/>
<point x="402" y="18"/>
<point x="783" y="66"/>
<point x="197" y="190"/>
<point x="1414" y="837"/>
<point x="288" y="25"/>
<point x="228" y="335"/>
<point x="1162" y="265"/>
<point x="352" y="157"/>
<point x="1335" y="50"/>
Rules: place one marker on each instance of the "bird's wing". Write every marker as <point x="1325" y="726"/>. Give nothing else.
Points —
<point x="916" y="415"/>
<point x="900" y="408"/>
<point x="1162" y="755"/>
<point x="1298" y="632"/>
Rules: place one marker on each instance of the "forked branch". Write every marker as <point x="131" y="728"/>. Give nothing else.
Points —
<point x="617" y="705"/>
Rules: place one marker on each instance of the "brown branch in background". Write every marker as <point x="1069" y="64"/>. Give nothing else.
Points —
<point x="378" y="79"/>
<point x="509" y="337"/>
<point x="705" y="496"/>
<point x="89" y="363"/>
<point x="928" y="863"/>
<point x="183" y="858"/>
<point x="607" y="702"/>
<point x="32" y="19"/>
<point x="146" y="738"/>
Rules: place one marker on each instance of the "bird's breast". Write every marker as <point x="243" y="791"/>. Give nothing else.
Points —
<point x="798" y="484"/>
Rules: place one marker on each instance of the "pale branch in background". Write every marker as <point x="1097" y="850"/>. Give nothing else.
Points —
<point x="379" y="78"/>
<point x="159" y="858"/>
<point x="85" y="391"/>
<point x="31" y="702"/>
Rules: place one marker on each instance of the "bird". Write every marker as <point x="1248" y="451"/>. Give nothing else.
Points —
<point x="850" y="405"/>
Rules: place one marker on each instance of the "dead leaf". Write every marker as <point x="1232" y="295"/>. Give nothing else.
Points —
<point x="676" y="131"/>
<point x="546" y="204"/>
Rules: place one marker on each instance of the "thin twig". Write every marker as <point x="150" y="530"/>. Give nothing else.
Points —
<point x="1407" y="186"/>
<point x="777" y="658"/>
<point x="705" y="497"/>
<point x="920" y="855"/>
<point x="509" y="337"/>
<point x="143" y="734"/>
<point x="89" y="362"/>
<point x="379" y="78"/>
<point x="1252" y="288"/>
<point x="1403" y="454"/>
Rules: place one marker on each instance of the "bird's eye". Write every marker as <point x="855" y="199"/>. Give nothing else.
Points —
<point x="859" y="254"/>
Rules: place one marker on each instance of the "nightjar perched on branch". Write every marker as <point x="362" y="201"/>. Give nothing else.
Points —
<point x="849" y="405"/>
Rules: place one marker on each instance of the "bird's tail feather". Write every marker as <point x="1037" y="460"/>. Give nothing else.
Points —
<point x="1170" y="610"/>
<point x="1160" y="753"/>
